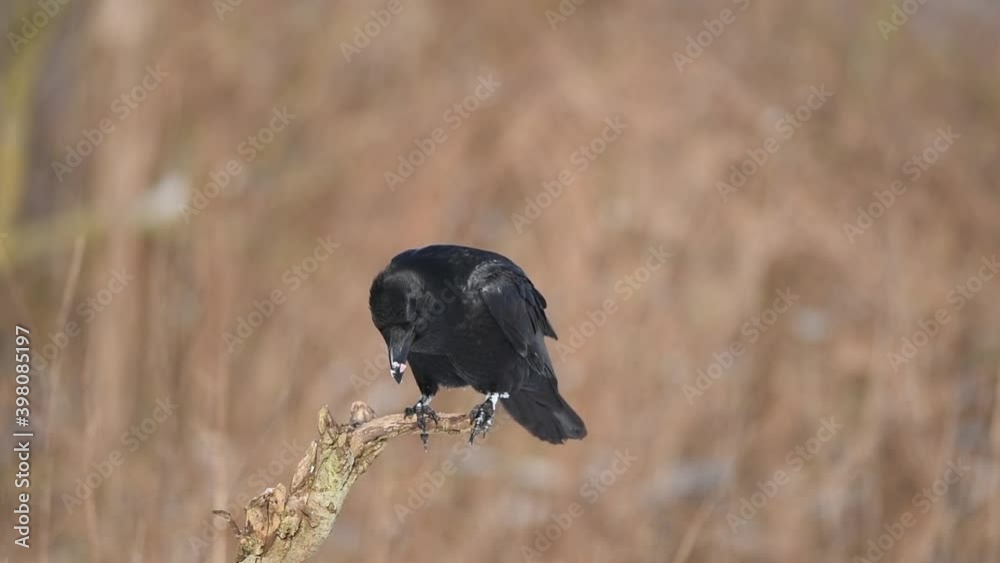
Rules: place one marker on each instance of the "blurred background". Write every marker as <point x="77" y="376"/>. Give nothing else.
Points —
<point x="766" y="231"/>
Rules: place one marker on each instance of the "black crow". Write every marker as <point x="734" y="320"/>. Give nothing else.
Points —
<point x="461" y="317"/>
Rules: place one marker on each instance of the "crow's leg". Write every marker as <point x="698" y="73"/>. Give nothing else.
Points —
<point x="422" y="410"/>
<point x="482" y="415"/>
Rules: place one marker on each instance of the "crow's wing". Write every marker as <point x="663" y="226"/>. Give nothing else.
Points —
<point x="519" y="309"/>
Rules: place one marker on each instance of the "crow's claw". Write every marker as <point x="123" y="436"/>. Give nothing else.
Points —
<point x="423" y="411"/>
<point x="482" y="419"/>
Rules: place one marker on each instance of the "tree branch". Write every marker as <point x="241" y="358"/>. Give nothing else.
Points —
<point x="289" y="525"/>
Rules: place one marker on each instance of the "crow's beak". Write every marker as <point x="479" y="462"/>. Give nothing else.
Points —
<point x="397" y="370"/>
<point x="399" y="349"/>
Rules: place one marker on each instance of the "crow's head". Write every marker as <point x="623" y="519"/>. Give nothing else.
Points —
<point x="397" y="300"/>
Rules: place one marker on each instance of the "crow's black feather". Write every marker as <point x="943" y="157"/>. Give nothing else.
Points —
<point x="462" y="316"/>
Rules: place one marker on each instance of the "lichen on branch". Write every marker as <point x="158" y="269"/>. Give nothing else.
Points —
<point x="289" y="524"/>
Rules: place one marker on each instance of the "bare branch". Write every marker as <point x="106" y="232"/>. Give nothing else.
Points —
<point x="289" y="526"/>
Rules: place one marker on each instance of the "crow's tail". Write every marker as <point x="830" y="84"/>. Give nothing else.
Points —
<point x="544" y="413"/>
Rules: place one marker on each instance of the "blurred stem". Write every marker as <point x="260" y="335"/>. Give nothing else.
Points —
<point x="19" y="82"/>
<point x="15" y="119"/>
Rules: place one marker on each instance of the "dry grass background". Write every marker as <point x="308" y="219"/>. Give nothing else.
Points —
<point x="238" y="414"/>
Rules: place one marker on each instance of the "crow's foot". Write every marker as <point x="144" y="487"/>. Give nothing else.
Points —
<point x="482" y="415"/>
<point x="423" y="411"/>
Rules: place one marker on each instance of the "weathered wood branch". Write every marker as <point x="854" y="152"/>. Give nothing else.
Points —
<point x="288" y="525"/>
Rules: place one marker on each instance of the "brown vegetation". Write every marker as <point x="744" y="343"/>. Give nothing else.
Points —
<point x="201" y="421"/>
